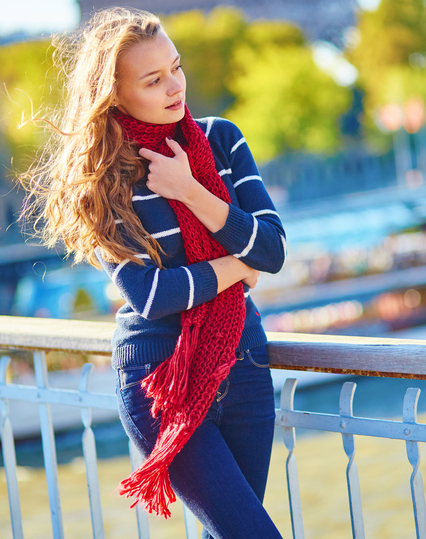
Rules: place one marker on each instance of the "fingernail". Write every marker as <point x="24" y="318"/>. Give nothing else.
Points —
<point x="168" y="138"/>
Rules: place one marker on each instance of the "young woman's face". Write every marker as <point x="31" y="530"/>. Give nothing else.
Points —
<point x="150" y="82"/>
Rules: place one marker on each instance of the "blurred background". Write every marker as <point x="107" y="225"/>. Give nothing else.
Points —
<point x="330" y="95"/>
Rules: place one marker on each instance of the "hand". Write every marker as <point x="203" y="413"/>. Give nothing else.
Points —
<point x="251" y="279"/>
<point x="169" y="177"/>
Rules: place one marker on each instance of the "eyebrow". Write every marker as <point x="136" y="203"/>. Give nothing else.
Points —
<point x="158" y="70"/>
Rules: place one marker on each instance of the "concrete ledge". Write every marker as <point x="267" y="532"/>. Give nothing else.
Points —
<point x="295" y="351"/>
<point x="49" y="334"/>
<point x="366" y="356"/>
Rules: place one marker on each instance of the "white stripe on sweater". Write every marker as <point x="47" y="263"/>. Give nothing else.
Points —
<point x="126" y="315"/>
<point x="123" y="263"/>
<point x="265" y="212"/>
<point x="145" y="197"/>
<point x="118" y="269"/>
<point x="165" y="233"/>
<point x="284" y="246"/>
<point x="151" y="296"/>
<point x="223" y="172"/>
<point x="210" y="121"/>
<point x="251" y="241"/>
<point x="191" y="288"/>
<point x="247" y="294"/>
<point x="247" y="179"/>
<point x="237" y="144"/>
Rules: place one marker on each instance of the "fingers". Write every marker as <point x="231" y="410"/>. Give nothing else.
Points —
<point x="174" y="146"/>
<point x="147" y="154"/>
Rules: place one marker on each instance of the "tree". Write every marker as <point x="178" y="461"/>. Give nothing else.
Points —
<point x="283" y="100"/>
<point x="29" y="83"/>
<point x="205" y="43"/>
<point x="390" y="55"/>
<point x="259" y="74"/>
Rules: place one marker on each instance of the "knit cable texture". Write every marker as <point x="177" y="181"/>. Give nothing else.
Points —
<point x="183" y="387"/>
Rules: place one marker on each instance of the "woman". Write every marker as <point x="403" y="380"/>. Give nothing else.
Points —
<point x="175" y="212"/>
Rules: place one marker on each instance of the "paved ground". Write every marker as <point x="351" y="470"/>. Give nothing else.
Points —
<point x="384" y="476"/>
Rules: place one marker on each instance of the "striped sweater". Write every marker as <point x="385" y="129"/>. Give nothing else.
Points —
<point x="148" y="324"/>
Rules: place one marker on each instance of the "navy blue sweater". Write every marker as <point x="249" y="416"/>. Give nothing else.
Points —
<point x="148" y="324"/>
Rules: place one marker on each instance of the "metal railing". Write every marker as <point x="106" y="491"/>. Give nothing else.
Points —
<point x="322" y="353"/>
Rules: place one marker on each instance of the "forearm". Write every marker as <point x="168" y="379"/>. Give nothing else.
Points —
<point x="154" y="293"/>
<point x="209" y="210"/>
<point x="229" y="270"/>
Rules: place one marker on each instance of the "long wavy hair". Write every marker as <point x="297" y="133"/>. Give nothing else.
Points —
<point x="80" y="187"/>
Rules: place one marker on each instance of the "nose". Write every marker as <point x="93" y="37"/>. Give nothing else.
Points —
<point x="174" y="86"/>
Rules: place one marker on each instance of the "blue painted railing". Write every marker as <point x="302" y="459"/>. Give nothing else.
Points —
<point x="349" y="355"/>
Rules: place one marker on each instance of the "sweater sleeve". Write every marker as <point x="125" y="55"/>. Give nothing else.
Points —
<point x="253" y="231"/>
<point x="153" y="293"/>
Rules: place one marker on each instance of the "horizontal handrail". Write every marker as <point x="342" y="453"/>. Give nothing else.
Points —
<point x="297" y="351"/>
<point x="51" y="334"/>
<point x="51" y="395"/>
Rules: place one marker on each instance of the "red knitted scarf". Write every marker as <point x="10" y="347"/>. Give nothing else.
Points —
<point x="183" y="386"/>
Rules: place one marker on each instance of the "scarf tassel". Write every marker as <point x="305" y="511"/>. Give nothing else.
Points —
<point x="168" y="384"/>
<point x="150" y="483"/>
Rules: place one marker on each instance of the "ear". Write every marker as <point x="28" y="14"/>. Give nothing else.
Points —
<point x="115" y="101"/>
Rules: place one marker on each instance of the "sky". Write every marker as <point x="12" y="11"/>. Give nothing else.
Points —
<point x="37" y="16"/>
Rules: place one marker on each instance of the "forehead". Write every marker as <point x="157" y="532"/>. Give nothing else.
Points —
<point x="151" y="55"/>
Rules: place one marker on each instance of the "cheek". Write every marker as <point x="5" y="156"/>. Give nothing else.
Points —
<point x="133" y="98"/>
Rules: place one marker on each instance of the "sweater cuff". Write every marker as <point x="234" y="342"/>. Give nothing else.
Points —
<point x="235" y="227"/>
<point x="205" y="281"/>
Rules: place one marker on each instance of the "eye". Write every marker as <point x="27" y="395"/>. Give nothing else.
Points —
<point x="154" y="82"/>
<point x="178" y="67"/>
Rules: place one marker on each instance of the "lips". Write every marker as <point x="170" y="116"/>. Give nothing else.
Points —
<point x="176" y="105"/>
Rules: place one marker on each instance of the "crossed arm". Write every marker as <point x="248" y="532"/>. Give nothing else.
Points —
<point x="171" y="178"/>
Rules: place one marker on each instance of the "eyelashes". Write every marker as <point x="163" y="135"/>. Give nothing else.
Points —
<point x="157" y="80"/>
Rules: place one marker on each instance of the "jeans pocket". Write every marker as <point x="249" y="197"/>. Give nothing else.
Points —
<point x="258" y="357"/>
<point x="132" y="376"/>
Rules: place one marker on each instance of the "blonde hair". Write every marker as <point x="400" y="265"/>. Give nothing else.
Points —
<point x="81" y="186"/>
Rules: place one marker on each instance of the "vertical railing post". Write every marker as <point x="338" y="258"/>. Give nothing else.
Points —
<point x="190" y="523"/>
<point x="355" y="504"/>
<point x="141" y="515"/>
<point x="409" y="415"/>
<point x="49" y="449"/>
<point x="9" y="458"/>
<point x="90" y="459"/>
<point x="289" y="435"/>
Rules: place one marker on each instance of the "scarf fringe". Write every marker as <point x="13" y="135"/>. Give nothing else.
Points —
<point x="168" y="384"/>
<point x="150" y="483"/>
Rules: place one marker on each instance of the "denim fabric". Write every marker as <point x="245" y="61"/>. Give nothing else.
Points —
<point x="221" y="472"/>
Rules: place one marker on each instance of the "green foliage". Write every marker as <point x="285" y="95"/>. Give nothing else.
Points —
<point x="260" y="75"/>
<point x="390" y="55"/>
<point x="205" y="43"/>
<point x="28" y="84"/>
<point x="282" y="99"/>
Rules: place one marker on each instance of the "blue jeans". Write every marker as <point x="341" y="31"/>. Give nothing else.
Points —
<point x="220" y="474"/>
